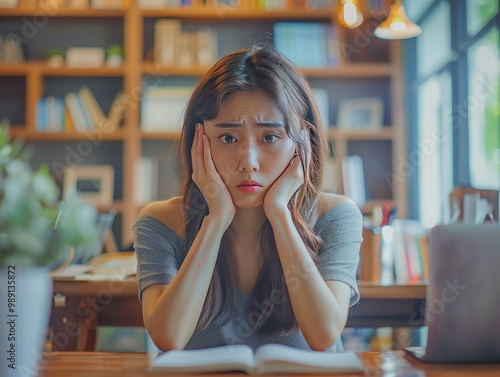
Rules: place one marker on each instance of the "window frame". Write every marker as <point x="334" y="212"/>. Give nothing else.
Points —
<point x="458" y="70"/>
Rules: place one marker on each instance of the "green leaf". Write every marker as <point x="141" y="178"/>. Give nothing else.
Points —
<point x="18" y="148"/>
<point x="4" y="133"/>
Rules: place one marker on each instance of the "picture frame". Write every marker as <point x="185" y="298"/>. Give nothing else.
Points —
<point x="94" y="183"/>
<point x="361" y="114"/>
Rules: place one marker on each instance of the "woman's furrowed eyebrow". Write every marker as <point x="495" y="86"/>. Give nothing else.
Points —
<point x="270" y="124"/>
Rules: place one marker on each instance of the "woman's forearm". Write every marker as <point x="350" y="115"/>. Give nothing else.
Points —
<point x="318" y="313"/>
<point x="175" y="314"/>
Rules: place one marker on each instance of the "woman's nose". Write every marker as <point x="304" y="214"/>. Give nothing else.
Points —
<point x="248" y="158"/>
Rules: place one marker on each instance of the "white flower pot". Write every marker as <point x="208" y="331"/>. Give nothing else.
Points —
<point x="25" y="305"/>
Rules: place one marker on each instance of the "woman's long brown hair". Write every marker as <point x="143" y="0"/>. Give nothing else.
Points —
<point x="262" y="69"/>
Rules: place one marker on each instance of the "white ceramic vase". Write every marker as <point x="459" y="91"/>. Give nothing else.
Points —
<point x="25" y="305"/>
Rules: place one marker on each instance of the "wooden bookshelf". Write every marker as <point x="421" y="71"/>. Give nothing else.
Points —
<point x="44" y="69"/>
<point x="131" y="27"/>
<point x="59" y="10"/>
<point x="19" y="131"/>
<point x="213" y="12"/>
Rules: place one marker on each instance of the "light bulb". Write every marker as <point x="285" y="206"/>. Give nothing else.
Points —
<point x="349" y="15"/>
<point x="397" y="25"/>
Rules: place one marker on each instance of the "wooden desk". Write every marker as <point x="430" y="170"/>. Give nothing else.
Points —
<point x="80" y="306"/>
<point x="394" y="363"/>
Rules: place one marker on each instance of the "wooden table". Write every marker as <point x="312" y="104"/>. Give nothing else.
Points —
<point x="80" y="306"/>
<point x="393" y="363"/>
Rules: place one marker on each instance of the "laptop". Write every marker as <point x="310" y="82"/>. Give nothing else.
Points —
<point x="463" y="295"/>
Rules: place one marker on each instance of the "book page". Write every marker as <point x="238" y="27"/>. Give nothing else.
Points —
<point x="279" y="358"/>
<point x="224" y="358"/>
<point x="110" y="266"/>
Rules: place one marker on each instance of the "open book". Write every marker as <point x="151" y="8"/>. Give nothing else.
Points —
<point x="107" y="266"/>
<point x="270" y="358"/>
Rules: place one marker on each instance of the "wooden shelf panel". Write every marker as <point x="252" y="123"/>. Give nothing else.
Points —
<point x="227" y="13"/>
<point x="20" y="69"/>
<point x="65" y="136"/>
<point x="70" y="71"/>
<point x="209" y="12"/>
<point x="61" y="12"/>
<point x="408" y="291"/>
<point x="160" y="135"/>
<point x="351" y="70"/>
<point x="152" y="68"/>
<point x="386" y="133"/>
<point x="344" y="71"/>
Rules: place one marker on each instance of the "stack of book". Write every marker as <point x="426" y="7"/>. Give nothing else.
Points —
<point x="404" y="252"/>
<point x="78" y="112"/>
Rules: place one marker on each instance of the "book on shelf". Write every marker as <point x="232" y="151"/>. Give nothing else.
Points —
<point x="206" y="46"/>
<point x="86" y="114"/>
<point x="221" y="5"/>
<point x="269" y="358"/>
<point x="410" y="251"/>
<point x="185" y="49"/>
<point x="91" y="105"/>
<point x="308" y="44"/>
<point x="50" y="115"/>
<point x="107" y="4"/>
<point x="11" y="44"/>
<point x="165" y="36"/>
<point x="76" y="112"/>
<point x="163" y="107"/>
<point x="332" y="177"/>
<point x="322" y="101"/>
<point x="147" y="183"/>
<point x="354" y="179"/>
<point x="174" y="47"/>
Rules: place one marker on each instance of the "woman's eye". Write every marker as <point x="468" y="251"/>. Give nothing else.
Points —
<point x="227" y="139"/>
<point x="270" y="138"/>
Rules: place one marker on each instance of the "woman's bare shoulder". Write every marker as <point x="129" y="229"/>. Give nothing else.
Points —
<point x="327" y="201"/>
<point x="169" y="212"/>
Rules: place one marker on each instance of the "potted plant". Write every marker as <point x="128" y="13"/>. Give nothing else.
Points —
<point x="35" y="229"/>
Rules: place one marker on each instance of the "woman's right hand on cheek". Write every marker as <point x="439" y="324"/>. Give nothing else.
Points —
<point x="209" y="181"/>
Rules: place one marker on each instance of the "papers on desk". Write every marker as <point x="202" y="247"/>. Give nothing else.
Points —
<point x="109" y="266"/>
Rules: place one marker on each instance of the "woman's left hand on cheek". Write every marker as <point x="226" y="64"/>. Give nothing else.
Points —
<point x="285" y="186"/>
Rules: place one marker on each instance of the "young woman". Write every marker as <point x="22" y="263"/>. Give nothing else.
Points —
<point x="252" y="252"/>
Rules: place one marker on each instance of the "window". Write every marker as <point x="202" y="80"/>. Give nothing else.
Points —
<point x="454" y="103"/>
<point x="434" y="45"/>
<point x="484" y="111"/>
<point x="435" y="148"/>
<point x="479" y="12"/>
<point x="415" y="9"/>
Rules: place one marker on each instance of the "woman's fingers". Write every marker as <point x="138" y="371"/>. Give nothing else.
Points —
<point x="194" y="150"/>
<point x="209" y="163"/>
<point x="199" y="152"/>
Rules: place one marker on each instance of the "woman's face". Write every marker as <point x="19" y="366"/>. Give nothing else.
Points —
<point x="249" y="145"/>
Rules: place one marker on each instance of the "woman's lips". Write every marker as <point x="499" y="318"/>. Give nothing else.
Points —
<point x="249" y="188"/>
<point x="249" y="185"/>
